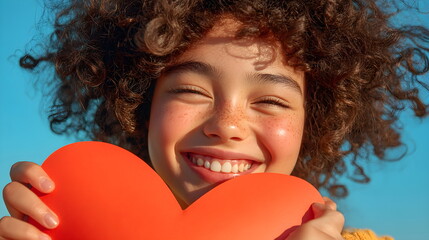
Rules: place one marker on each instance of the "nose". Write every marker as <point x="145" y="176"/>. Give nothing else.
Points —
<point x="228" y="123"/>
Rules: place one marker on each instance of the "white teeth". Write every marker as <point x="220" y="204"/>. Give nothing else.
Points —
<point x="241" y="167"/>
<point x="220" y="166"/>
<point x="215" y="166"/>
<point x="226" y="167"/>
<point x="207" y="164"/>
<point x="235" y="168"/>
<point x="200" y="162"/>
<point x="246" y="167"/>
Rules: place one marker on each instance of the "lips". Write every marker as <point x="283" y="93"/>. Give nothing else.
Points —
<point x="216" y="166"/>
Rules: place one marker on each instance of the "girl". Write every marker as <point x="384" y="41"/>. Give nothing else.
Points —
<point x="209" y="90"/>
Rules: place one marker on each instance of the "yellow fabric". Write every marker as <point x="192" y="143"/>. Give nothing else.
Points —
<point x="362" y="235"/>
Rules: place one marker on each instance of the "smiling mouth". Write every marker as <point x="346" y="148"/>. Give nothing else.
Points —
<point x="219" y="165"/>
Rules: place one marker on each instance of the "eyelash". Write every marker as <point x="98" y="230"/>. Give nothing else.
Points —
<point x="194" y="90"/>
<point x="187" y="89"/>
<point x="275" y="102"/>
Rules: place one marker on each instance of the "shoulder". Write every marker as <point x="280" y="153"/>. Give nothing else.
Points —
<point x="362" y="234"/>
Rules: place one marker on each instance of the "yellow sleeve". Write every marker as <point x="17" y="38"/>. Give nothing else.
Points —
<point x="362" y="235"/>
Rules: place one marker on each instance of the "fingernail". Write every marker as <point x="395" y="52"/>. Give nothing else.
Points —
<point x="43" y="236"/>
<point x="50" y="220"/>
<point x="318" y="206"/>
<point x="46" y="184"/>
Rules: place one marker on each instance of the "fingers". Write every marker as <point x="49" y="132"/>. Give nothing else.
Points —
<point x="327" y="218"/>
<point x="327" y="224"/>
<point x="330" y="204"/>
<point x="33" y="174"/>
<point x="22" y="201"/>
<point x="14" y="229"/>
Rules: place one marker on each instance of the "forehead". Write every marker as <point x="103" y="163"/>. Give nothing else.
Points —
<point x="266" y="55"/>
<point x="223" y="37"/>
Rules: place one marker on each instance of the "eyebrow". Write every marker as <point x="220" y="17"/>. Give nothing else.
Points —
<point x="276" y="79"/>
<point x="213" y="72"/>
<point x="193" y="66"/>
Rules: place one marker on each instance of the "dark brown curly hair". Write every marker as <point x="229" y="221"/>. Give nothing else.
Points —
<point x="360" y="70"/>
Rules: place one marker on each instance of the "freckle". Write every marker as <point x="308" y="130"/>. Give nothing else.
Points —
<point x="231" y="117"/>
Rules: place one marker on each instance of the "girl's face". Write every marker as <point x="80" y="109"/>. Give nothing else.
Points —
<point x="225" y="108"/>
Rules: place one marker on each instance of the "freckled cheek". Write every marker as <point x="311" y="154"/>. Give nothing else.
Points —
<point x="281" y="135"/>
<point x="282" y="138"/>
<point x="171" y="121"/>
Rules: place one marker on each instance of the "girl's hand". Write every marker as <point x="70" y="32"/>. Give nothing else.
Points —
<point x="327" y="224"/>
<point x="22" y="203"/>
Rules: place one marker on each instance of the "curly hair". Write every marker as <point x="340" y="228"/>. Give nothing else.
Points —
<point x="360" y="70"/>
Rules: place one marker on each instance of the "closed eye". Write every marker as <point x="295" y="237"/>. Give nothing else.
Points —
<point x="188" y="89"/>
<point x="274" y="102"/>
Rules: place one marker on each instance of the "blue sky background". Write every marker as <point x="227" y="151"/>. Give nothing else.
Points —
<point x="396" y="202"/>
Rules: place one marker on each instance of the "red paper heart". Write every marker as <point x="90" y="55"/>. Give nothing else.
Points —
<point x="105" y="192"/>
